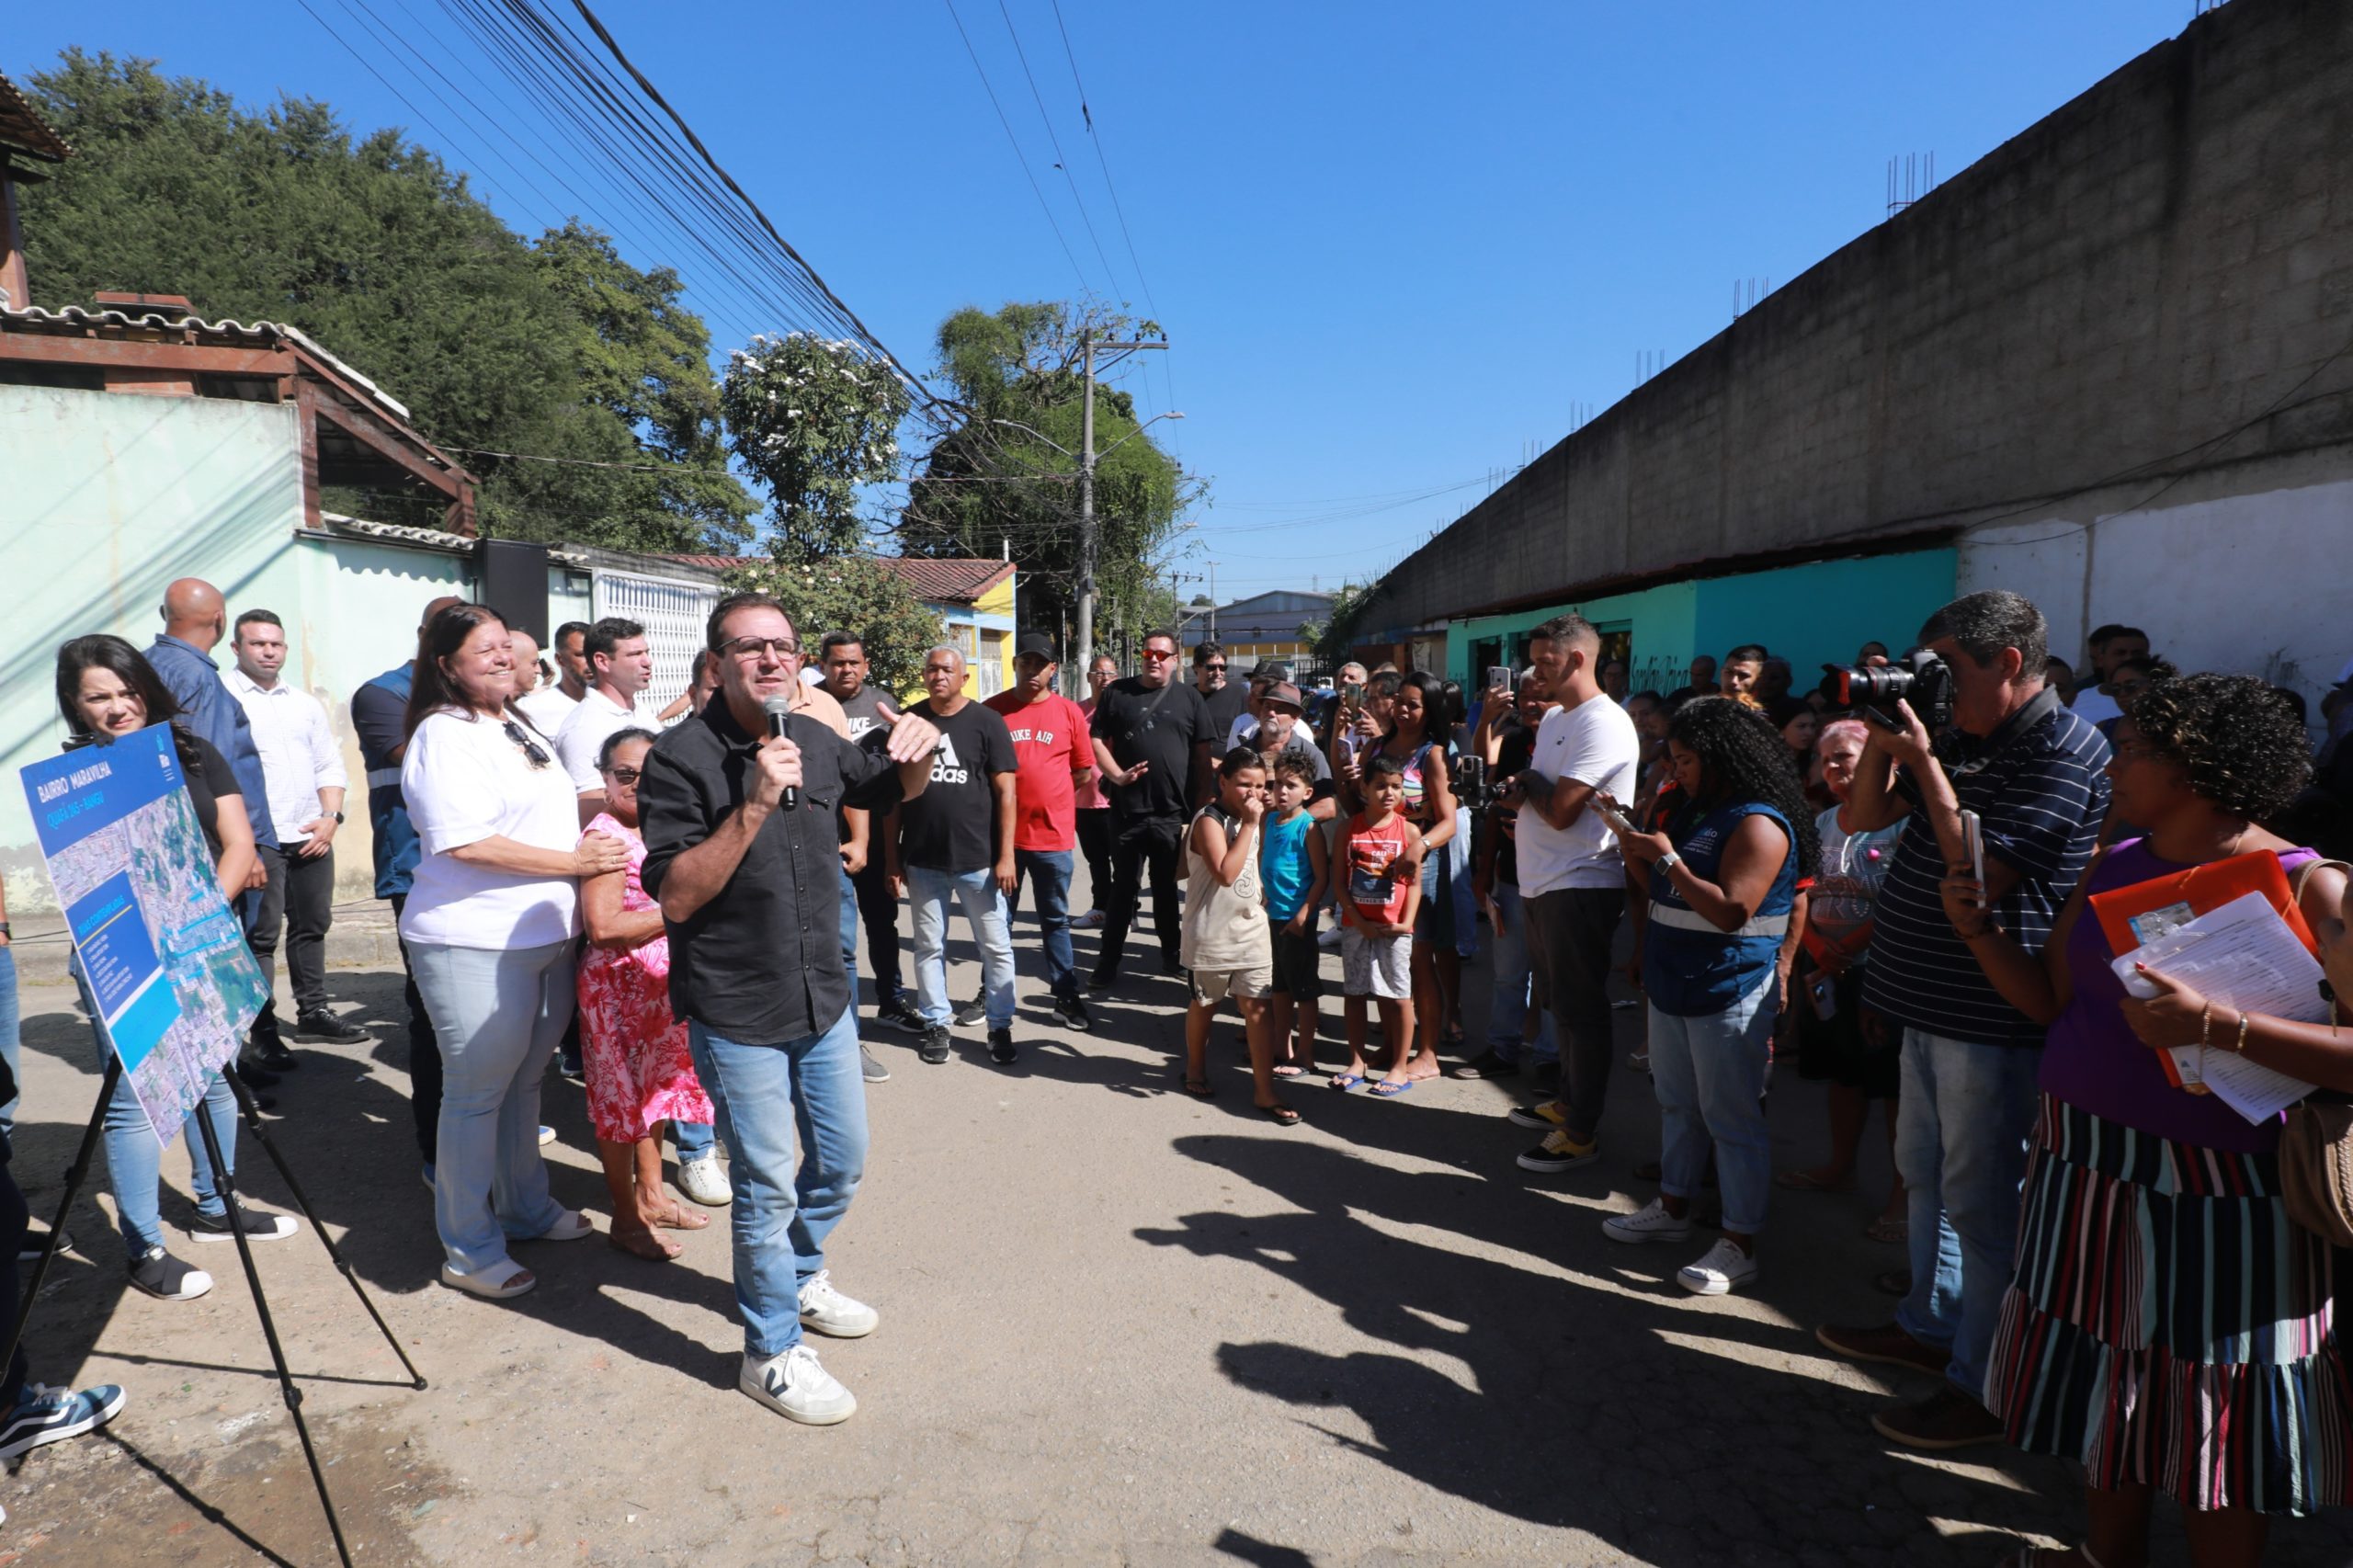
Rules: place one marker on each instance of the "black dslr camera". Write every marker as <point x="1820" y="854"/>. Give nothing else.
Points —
<point x="1473" y="786"/>
<point x="1921" y="678"/>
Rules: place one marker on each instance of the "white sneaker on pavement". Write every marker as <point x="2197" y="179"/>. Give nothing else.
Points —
<point x="1651" y="1222"/>
<point x="1723" y="1270"/>
<point x="796" y="1387"/>
<point x="829" y="1312"/>
<point x="703" y="1181"/>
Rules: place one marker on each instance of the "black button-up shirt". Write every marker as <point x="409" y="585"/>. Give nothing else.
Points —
<point x="762" y="962"/>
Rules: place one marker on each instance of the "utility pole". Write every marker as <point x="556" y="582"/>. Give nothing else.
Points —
<point x="1086" y="533"/>
<point x="1213" y="567"/>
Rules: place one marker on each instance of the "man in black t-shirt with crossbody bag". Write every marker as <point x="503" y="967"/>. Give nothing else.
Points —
<point x="1153" y="747"/>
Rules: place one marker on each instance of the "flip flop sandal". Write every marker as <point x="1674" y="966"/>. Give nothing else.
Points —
<point x="1389" y="1091"/>
<point x="1200" y="1088"/>
<point x="503" y="1283"/>
<point x="1290" y="1072"/>
<point x="1281" y="1115"/>
<point x="1344" y="1082"/>
<point x="681" y="1218"/>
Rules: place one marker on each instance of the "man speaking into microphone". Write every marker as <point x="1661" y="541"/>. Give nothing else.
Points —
<point x="739" y="806"/>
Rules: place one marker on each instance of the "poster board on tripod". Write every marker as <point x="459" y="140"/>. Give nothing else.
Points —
<point x="164" y="956"/>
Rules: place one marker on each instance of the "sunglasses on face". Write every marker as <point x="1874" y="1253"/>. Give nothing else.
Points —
<point x="1220" y="668"/>
<point x="531" y="752"/>
<point x="624" y="774"/>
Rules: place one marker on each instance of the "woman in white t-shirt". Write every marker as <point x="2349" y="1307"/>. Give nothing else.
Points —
<point x="490" y="923"/>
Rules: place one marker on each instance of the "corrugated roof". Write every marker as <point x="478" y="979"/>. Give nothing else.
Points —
<point x="77" y="321"/>
<point x="955" y="582"/>
<point x="22" y="130"/>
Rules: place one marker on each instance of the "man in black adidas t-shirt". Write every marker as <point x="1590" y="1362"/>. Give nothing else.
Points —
<point x="1153" y="744"/>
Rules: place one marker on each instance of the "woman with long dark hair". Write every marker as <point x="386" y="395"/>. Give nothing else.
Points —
<point x="2168" y="1327"/>
<point x="1721" y="882"/>
<point x="107" y="690"/>
<point x="490" y="924"/>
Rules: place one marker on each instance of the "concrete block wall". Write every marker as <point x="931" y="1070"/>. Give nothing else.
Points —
<point x="2111" y="293"/>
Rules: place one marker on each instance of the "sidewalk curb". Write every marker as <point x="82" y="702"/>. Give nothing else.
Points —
<point x="361" y="936"/>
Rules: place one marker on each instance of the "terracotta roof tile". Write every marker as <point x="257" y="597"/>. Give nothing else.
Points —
<point x="955" y="582"/>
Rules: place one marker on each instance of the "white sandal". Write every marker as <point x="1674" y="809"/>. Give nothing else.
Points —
<point x="572" y="1227"/>
<point x="502" y="1283"/>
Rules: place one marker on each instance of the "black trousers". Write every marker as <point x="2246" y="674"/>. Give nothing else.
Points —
<point x="424" y="1055"/>
<point x="299" y="901"/>
<point x="1141" y="846"/>
<point x="879" y="912"/>
<point x="1095" y="848"/>
<point x="1570" y="934"/>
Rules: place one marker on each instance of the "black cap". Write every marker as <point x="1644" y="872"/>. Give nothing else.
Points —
<point x="1037" y="642"/>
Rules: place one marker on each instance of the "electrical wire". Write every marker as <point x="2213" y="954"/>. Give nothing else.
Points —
<point x="1018" y="156"/>
<point x="1055" y="141"/>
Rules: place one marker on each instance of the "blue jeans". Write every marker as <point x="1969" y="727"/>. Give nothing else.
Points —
<point x="135" y="1156"/>
<point x="929" y="892"/>
<point x="497" y="1013"/>
<point x="1048" y="871"/>
<point x="786" y="1202"/>
<point x="1961" y="1123"/>
<point x="1709" y="1074"/>
<point x="1514" y="984"/>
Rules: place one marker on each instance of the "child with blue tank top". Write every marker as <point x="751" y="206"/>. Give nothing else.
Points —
<point x="1294" y="868"/>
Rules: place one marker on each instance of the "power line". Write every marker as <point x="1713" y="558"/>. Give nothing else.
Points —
<point x="1018" y="156"/>
<point x="1056" y="143"/>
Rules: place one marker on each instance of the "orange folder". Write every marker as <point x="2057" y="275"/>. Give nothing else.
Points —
<point x="2133" y="915"/>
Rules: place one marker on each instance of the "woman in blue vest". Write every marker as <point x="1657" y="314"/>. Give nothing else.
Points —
<point x="1721" y="886"/>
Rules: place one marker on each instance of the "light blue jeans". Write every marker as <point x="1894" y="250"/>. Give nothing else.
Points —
<point x="929" y="892"/>
<point x="1514" y="984"/>
<point x="134" y="1156"/>
<point x="1961" y="1121"/>
<point x="1048" y="872"/>
<point x="1709" y="1074"/>
<point x="787" y="1201"/>
<point x="497" y="1014"/>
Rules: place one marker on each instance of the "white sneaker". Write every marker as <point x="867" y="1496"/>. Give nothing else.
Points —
<point x="1651" y="1222"/>
<point x="796" y="1387"/>
<point x="1723" y="1270"/>
<point x="1090" y="921"/>
<point x="702" y="1180"/>
<point x="829" y="1312"/>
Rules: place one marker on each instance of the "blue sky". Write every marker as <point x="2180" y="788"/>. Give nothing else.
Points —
<point x="1395" y="247"/>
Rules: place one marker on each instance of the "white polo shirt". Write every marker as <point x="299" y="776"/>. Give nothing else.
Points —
<point x="582" y="733"/>
<point x="298" y="754"/>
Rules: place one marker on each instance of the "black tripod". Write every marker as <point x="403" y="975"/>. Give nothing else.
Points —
<point x="80" y="1169"/>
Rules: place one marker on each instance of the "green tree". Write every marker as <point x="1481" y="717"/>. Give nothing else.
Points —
<point x="377" y="251"/>
<point x="1333" y="635"/>
<point x="987" y="485"/>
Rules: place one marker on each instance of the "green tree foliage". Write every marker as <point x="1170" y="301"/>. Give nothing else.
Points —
<point x="814" y="420"/>
<point x="374" y="248"/>
<point x="987" y="485"/>
<point x="1336" y="632"/>
<point x="852" y="593"/>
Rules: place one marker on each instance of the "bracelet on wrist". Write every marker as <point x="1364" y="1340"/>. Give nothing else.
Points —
<point x="2240" y="1044"/>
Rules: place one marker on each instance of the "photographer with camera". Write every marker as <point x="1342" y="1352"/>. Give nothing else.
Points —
<point x="2030" y="775"/>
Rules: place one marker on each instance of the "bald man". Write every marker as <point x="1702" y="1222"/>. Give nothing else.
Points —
<point x="547" y="707"/>
<point x="195" y="620"/>
<point x="379" y="715"/>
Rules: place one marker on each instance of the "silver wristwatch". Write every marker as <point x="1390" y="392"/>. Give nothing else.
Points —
<point x="1668" y="861"/>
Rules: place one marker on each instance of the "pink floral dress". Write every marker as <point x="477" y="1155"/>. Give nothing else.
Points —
<point x="634" y="1051"/>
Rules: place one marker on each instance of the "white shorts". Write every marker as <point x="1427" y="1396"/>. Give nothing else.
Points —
<point x="1376" y="966"/>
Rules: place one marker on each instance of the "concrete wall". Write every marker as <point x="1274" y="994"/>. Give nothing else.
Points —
<point x="2155" y="279"/>
<point x="108" y="498"/>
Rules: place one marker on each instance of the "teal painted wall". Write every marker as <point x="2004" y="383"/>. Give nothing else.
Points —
<point x="1813" y="614"/>
<point x="109" y="496"/>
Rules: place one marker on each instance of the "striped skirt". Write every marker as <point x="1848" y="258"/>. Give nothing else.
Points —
<point x="2167" y="1327"/>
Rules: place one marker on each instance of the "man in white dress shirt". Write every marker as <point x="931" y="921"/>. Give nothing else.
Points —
<point x="620" y="664"/>
<point x="547" y="704"/>
<point x="301" y="764"/>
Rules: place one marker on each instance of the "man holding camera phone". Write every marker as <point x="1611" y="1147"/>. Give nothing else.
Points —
<point x="2034" y="774"/>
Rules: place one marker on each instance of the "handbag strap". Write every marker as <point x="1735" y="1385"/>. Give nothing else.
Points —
<point x="2304" y="872"/>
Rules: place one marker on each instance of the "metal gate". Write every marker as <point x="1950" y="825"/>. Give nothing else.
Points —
<point x="674" y="614"/>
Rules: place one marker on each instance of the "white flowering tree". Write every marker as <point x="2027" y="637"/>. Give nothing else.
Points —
<point x="814" y="420"/>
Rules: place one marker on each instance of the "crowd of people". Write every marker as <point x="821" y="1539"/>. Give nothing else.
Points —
<point x="1890" y="898"/>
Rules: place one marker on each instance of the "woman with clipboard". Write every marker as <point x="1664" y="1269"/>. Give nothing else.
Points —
<point x="2167" y="1327"/>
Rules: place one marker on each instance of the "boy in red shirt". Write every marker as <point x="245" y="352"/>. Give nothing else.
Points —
<point x="1052" y="757"/>
<point x="1378" y="862"/>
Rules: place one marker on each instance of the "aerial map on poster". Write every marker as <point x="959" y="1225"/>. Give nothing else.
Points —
<point x="165" y="957"/>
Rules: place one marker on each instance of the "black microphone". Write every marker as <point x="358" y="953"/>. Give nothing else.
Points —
<point x="778" y="709"/>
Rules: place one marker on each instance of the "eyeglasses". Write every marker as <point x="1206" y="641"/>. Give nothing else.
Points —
<point x="1219" y="667"/>
<point x="1158" y="656"/>
<point x="624" y="774"/>
<point x="532" y="753"/>
<point x="753" y="647"/>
